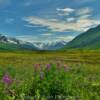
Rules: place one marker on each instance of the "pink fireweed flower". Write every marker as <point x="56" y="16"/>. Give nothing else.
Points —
<point x="7" y="79"/>
<point x="48" y="66"/>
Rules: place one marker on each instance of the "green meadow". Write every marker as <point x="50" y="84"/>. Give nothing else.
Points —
<point x="50" y="75"/>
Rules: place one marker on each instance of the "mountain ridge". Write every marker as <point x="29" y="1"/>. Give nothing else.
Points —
<point x="9" y="43"/>
<point x="87" y="40"/>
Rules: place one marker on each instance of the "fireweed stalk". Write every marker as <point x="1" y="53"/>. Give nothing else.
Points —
<point x="48" y="66"/>
<point x="7" y="80"/>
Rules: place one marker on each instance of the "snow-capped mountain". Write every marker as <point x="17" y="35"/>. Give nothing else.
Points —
<point x="50" y="45"/>
<point x="5" y="39"/>
<point x="19" y="44"/>
<point x="13" y="44"/>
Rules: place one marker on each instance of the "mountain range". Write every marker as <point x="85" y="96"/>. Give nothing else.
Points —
<point x="87" y="40"/>
<point x="7" y="43"/>
<point x="50" y="45"/>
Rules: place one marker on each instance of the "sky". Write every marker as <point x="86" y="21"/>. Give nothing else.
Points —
<point x="48" y="20"/>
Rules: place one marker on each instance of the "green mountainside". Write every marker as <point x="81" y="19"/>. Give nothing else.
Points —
<point x="87" y="40"/>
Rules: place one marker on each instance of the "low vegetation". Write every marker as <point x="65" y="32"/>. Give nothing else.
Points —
<point x="70" y="75"/>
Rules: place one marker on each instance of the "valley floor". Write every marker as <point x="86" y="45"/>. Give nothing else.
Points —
<point x="82" y="68"/>
<point x="29" y="58"/>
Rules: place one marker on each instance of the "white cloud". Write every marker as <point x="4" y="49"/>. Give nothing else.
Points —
<point x="66" y="38"/>
<point x="85" y="16"/>
<point x="85" y="24"/>
<point x="84" y="11"/>
<point x="54" y="20"/>
<point x="45" y="38"/>
<point x="28" y="38"/>
<point x="54" y="26"/>
<point x="46" y="34"/>
<point x="42" y="30"/>
<point x="80" y="25"/>
<point x="65" y="11"/>
<point x="71" y="19"/>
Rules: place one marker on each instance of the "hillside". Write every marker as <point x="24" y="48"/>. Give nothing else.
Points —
<point x="87" y="40"/>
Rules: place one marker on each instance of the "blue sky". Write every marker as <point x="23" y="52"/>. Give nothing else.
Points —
<point x="47" y="20"/>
